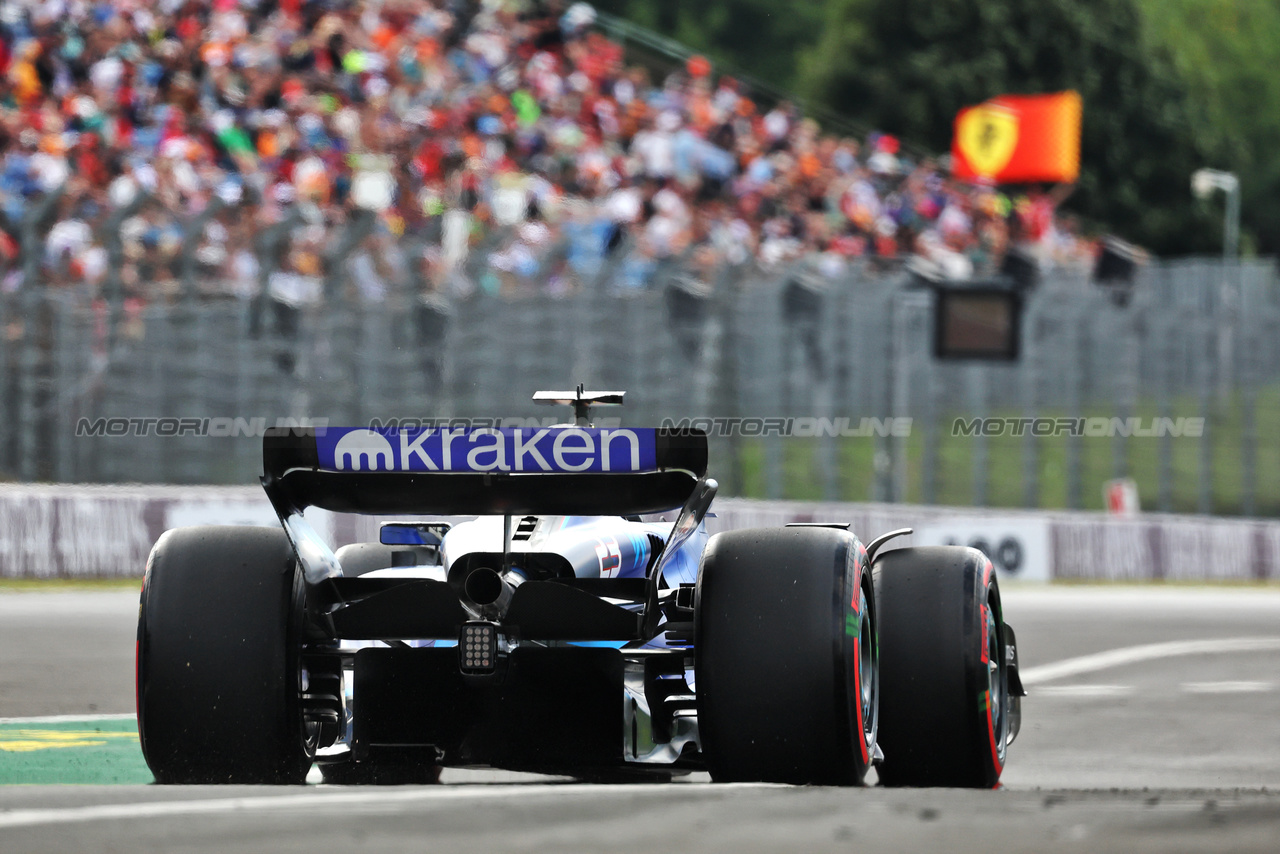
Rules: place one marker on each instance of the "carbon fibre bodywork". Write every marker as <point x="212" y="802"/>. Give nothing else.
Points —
<point x="557" y="621"/>
<point x="574" y="597"/>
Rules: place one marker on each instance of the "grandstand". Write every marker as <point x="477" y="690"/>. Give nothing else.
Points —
<point x="298" y="149"/>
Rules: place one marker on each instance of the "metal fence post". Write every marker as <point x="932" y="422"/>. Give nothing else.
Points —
<point x="1029" y="373"/>
<point x="978" y="404"/>
<point x="66" y="381"/>
<point x="1126" y="385"/>
<point x="905" y="323"/>
<point x="727" y="393"/>
<point x="929" y="458"/>
<point x="882" y="454"/>
<point x="1204" y="498"/>
<point x="1075" y="409"/>
<point x="1248" y="425"/>
<point x="1225" y="309"/>
<point x="10" y="378"/>
<point x="1164" y="403"/>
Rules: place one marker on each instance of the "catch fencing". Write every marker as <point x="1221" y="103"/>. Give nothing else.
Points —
<point x="1192" y="342"/>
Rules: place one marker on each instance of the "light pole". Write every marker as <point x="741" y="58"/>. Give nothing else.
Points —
<point x="1203" y="183"/>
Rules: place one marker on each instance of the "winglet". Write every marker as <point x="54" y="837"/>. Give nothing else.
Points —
<point x="874" y="545"/>
<point x="580" y="400"/>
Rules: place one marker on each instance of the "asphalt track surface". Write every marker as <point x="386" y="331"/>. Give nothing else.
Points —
<point x="1153" y="726"/>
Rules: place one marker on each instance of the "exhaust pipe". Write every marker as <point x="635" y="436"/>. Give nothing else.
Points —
<point x="489" y="590"/>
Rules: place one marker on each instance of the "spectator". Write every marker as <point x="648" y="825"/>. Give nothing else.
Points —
<point x="514" y="127"/>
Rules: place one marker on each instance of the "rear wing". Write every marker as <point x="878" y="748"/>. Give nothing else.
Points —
<point x="570" y="471"/>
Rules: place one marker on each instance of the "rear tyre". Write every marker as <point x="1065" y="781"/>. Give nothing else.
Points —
<point x="219" y="678"/>
<point x="943" y="682"/>
<point x="786" y="657"/>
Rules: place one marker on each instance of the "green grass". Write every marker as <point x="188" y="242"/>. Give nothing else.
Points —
<point x="804" y="477"/>
<point x="65" y="585"/>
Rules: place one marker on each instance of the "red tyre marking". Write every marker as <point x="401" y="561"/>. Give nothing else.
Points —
<point x="857" y="681"/>
<point x="857" y="667"/>
<point x="991" y="736"/>
<point x="982" y="616"/>
<point x="991" y="726"/>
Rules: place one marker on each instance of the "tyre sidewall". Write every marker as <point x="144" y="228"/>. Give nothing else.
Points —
<point x="937" y="726"/>
<point x="218" y="658"/>
<point x="997" y="723"/>
<point x="777" y="656"/>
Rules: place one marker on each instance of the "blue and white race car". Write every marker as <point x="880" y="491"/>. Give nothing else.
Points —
<point x="557" y="630"/>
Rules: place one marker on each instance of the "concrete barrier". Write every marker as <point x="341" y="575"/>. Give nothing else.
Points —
<point x="103" y="532"/>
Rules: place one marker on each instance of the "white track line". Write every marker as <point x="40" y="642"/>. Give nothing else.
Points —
<point x="1227" y="687"/>
<point x="62" y="719"/>
<point x="1146" y="652"/>
<point x="1084" y="691"/>
<point x="324" y="800"/>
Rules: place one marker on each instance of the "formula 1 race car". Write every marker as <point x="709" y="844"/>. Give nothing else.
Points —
<point x="556" y="630"/>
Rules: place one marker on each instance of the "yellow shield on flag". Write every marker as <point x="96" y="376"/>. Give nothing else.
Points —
<point x="987" y="136"/>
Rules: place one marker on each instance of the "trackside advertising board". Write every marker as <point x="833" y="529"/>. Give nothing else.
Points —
<point x="102" y="532"/>
<point x="1018" y="547"/>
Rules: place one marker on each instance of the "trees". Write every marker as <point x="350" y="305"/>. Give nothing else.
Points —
<point x="1228" y="51"/>
<point x="908" y="66"/>
<point x="1169" y="86"/>
<point x="762" y="37"/>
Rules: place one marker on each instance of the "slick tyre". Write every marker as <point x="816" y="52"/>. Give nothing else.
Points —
<point x="785" y="633"/>
<point x="943" y="682"/>
<point x="218" y="660"/>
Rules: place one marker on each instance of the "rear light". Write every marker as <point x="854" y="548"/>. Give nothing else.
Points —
<point x="478" y="648"/>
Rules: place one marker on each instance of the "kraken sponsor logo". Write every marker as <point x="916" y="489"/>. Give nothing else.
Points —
<point x="487" y="450"/>
<point x="364" y="450"/>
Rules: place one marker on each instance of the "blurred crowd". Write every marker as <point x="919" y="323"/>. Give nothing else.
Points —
<point x="434" y="146"/>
